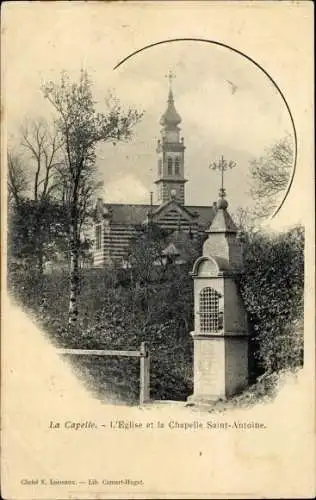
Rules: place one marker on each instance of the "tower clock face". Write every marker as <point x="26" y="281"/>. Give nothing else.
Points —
<point x="173" y="193"/>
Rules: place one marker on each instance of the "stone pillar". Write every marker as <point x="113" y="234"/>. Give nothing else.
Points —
<point x="220" y="330"/>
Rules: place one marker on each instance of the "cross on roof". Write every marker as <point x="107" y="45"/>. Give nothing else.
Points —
<point x="222" y="165"/>
<point x="170" y="77"/>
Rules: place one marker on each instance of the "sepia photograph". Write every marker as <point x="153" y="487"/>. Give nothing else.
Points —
<point x="157" y="273"/>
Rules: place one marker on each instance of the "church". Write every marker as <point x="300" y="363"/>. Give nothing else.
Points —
<point x="115" y="223"/>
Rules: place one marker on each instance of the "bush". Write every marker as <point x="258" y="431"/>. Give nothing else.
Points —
<point x="272" y="288"/>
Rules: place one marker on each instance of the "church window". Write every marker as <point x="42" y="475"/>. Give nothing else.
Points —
<point x="209" y="310"/>
<point x="98" y="237"/>
<point x="169" y="165"/>
<point x="160" y="167"/>
<point x="177" y="166"/>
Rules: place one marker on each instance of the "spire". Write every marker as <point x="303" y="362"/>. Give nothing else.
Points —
<point x="171" y="117"/>
<point x="170" y="77"/>
<point x="170" y="154"/>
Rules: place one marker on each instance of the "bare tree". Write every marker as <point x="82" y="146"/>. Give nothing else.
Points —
<point x="82" y="128"/>
<point x="270" y="175"/>
<point x="18" y="182"/>
<point x="33" y="182"/>
<point x="244" y="219"/>
<point x="42" y="145"/>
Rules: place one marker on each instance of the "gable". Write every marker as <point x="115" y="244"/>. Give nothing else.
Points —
<point x="171" y="214"/>
<point x="171" y="250"/>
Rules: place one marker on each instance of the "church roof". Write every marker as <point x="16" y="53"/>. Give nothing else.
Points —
<point x="205" y="214"/>
<point x="171" y="250"/>
<point x="123" y="213"/>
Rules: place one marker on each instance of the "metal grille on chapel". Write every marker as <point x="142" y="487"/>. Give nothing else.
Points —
<point x="209" y="310"/>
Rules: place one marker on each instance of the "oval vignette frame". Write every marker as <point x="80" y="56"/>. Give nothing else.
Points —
<point x="239" y="52"/>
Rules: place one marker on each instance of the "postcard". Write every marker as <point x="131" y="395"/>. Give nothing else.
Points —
<point x="158" y="273"/>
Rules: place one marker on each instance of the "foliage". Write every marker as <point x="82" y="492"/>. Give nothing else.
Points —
<point x="270" y="175"/>
<point x="272" y="288"/>
<point x="37" y="232"/>
<point x="145" y="255"/>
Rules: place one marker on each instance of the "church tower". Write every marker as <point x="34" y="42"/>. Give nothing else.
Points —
<point x="170" y="151"/>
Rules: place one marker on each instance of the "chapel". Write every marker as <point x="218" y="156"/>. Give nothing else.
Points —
<point x="115" y="224"/>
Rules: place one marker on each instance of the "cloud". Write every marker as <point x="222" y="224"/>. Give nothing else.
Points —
<point x="126" y="189"/>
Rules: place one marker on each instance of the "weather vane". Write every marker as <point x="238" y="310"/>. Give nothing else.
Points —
<point x="222" y="165"/>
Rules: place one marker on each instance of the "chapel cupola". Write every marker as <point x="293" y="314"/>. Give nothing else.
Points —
<point x="170" y="150"/>
<point x="223" y="238"/>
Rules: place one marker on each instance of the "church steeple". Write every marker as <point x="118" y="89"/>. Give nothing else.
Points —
<point x="170" y="150"/>
<point x="171" y="118"/>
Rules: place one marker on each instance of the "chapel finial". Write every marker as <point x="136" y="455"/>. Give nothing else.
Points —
<point x="222" y="165"/>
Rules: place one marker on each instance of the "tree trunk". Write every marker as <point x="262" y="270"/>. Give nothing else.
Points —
<point x="74" y="282"/>
<point x="74" y="263"/>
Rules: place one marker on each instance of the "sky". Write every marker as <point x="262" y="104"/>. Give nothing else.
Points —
<point x="217" y="118"/>
<point x="228" y="106"/>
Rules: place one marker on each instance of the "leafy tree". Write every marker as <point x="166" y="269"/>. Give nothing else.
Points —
<point x="145" y="254"/>
<point x="82" y="128"/>
<point x="37" y="232"/>
<point x="272" y="288"/>
<point x="270" y="175"/>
